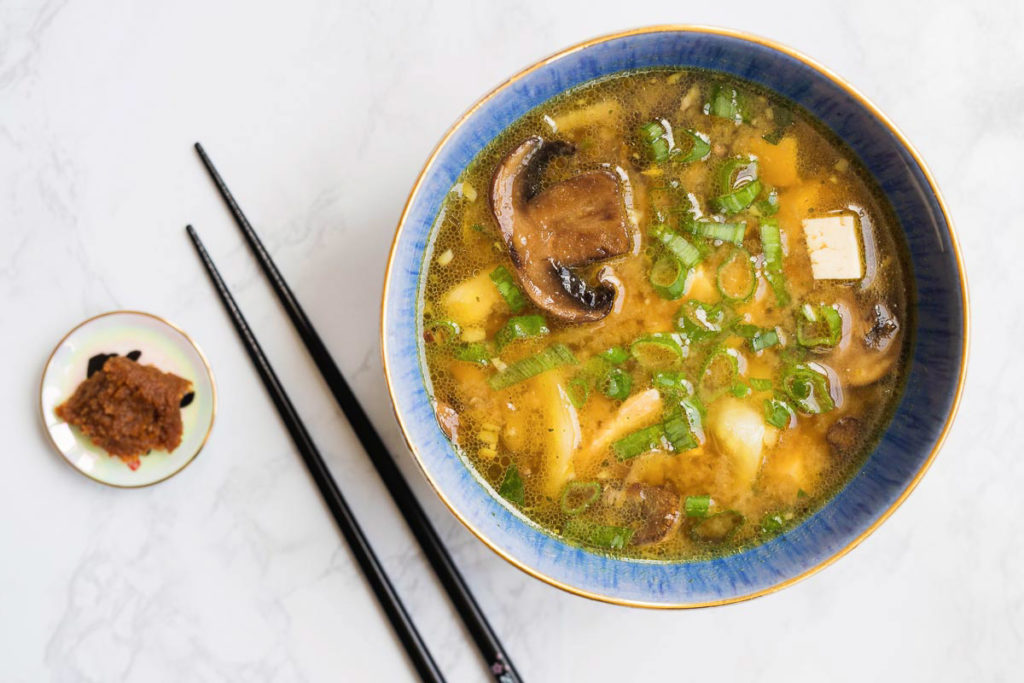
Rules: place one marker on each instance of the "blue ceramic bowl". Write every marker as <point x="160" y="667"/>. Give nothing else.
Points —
<point x="909" y="444"/>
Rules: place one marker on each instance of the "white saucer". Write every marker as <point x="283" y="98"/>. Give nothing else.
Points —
<point x="161" y="344"/>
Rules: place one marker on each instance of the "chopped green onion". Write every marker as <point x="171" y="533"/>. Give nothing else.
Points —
<point x="479" y="228"/>
<point x="820" y="326"/>
<point x="524" y="369"/>
<point x="668" y="277"/>
<point x="615" y="355"/>
<point x="778" y="413"/>
<point x="656" y="138"/>
<point x="771" y="244"/>
<point x="599" y="535"/>
<point x="700" y="321"/>
<point x="676" y="245"/>
<point x="782" y="117"/>
<point x="739" y="199"/>
<point x="657" y="351"/>
<point x="672" y="383"/>
<point x="639" y="442"/>
<point x="512" y="488"/>
<point x="772" y="523"/>
<point x="759" y="384"/>
<point x="476" y="352"/>
<point x="768" y="206"/>
<point x="441" y="332"/>
<point x="720" y="371"/>
<point x="578" y="389"/>
<point x="727" y="232"/>
<point x="727" y="103"/>
<point x="760" y="338"/>
<point x="577" y="496"/>
<point x="808" y="387"/>
<point x="735" y="173"/>
<point x="739" y="389"/>
<point x="736" y="278"/>
<point x="700" y="146"/>
<point x="520" y="327"/>
<point x="717" y="528"/>
<point x="617" y="384"/>
<point x="510" y="291"/>
<point x="683" y="428"/>
<point x="697" y="506"/>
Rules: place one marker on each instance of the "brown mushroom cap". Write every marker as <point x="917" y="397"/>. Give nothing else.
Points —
<point x="572" y="223"/>
<point x="656" y="508"/>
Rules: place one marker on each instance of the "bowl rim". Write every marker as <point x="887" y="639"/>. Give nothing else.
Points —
<point x="188" y="338"/>
<point x="863" y="101"/>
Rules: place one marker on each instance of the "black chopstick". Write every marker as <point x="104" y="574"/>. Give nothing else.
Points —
<point x="389" y="599"/>
<point x="483" y="634"/>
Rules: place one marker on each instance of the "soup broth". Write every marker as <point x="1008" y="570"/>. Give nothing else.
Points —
<point x="665" y="315"/>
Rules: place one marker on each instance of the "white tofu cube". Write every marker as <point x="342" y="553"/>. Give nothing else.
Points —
<point x="834" y="248"/>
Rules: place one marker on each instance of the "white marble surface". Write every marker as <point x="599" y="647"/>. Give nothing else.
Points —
<point x="320" y="115"/>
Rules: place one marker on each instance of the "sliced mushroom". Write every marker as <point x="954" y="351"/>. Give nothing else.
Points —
<point x="869" y="347"/>
<point x="656" y="508"/>
<point x="844" y="436"/>
<point x="448" y="420"/>
<point x="550" y="233"/>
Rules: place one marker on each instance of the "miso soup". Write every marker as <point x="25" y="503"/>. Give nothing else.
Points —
<point x="665" y="315"/>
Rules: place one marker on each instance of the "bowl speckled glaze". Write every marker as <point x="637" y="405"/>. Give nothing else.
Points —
<point x="922" y="417"/>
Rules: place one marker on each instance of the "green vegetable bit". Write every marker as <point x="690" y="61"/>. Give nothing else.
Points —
<point x="512" y="488"/>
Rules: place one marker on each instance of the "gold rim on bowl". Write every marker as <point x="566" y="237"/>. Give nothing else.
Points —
<point x="867" y="104"/>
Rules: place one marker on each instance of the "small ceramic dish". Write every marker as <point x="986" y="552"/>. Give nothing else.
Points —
<point x="935" y="372"/>
<point x="157" y="343"/>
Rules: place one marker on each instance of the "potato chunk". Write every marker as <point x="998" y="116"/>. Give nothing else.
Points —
<point x="739" y="430"/>
<point x="470" y="302"/>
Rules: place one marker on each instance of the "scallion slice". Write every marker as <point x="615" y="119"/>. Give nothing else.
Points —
<point x="740" y="198"/>
<point x="808" y="387"/>
<point x="598" y="535"/>
<point x="577" y="496"/>
<point x="551" y="357"/>
<point x="506" y="284"/>
<point x="683" y="428"/>
<point x="726" y="102"/>
<point x="578" y="390"/>
<point x="758" y="384"/>
<point x="778" y="413"/>
<point x="639" y="442"/>
<point x="657" y="351"/>
<point x="697" y="506"/>
<point x="520" y="327"/>
<point x="512" y="488"/>
<point x="476" y="352"/>
<point x="726" y="232"/>
<point x="720" y="371"/>
<point x="700" y="146"/>
<point x="658" y="141"/>
<point x="616" y="355"/>
<point x="700" y="321"/>
<point x="441" y="332"/>
<point x="676" y="245"/>
<point x="771" y="245"/>
<point x="772" y="523"/>
<point x="668" y="277"/>
<point x="818" y="326"/>
<point x="736" y="278"/>
<point x="769" y="206"/>
<point x="736" y="172"/>
<point x="672" y="384"/>
<point x="616" y="384"/>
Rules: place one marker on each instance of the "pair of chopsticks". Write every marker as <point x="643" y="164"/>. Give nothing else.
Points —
<point x="498" y="662"/>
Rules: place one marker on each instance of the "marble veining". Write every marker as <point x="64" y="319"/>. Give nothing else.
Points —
<point x="320" y="115"/>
